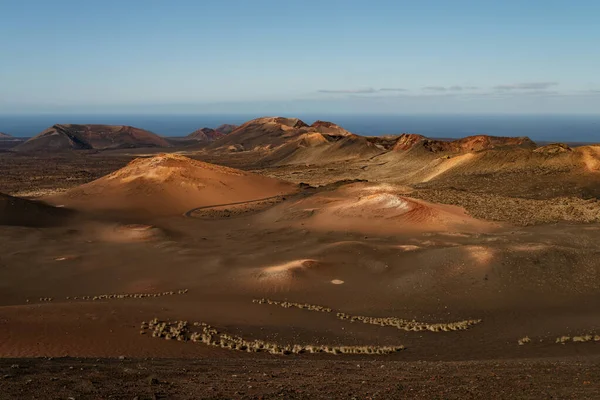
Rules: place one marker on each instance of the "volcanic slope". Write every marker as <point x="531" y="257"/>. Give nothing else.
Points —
<point x="374" y="209"/>
<point x="22" y="212"/>
<point x="5" y="136"/>
<point x="170" y="184"/>
<point x="419" y="165"/>
<point x="87" y="137"/>
<point x="467" y="144"/>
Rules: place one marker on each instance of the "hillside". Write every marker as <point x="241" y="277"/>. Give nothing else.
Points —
<point x="22" y="212"/>
<point x="5" y="136"/>
<point x="91" y="137"/>
<point x="316" y="148"/>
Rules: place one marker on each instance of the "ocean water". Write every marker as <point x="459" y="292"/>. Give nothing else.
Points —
<point x="567" y="128"/>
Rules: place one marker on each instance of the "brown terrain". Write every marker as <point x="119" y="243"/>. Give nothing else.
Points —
<point x="287" y="260"/>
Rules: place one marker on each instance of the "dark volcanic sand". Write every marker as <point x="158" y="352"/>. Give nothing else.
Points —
<point x="276" y="379"/>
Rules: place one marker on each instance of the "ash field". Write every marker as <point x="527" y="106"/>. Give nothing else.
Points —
<point x="278" y="259"/>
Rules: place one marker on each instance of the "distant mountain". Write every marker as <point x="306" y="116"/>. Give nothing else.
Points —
<point x="8" y="142"/>
<point x="272" y="132"/>
<point x="291" y="141"/>
<point x="89" y="137"/>
<point x="226" y="128"/>
<point x="205" y="135"/>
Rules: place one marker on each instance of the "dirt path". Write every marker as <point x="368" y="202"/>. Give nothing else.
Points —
<point x="189" y="213"/>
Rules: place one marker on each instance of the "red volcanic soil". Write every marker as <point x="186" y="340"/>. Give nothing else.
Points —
<point x="374" y="208"/>
<point x="86" y="137"/>
<point x="170" y="184"/>
<point x="410" y="141"/>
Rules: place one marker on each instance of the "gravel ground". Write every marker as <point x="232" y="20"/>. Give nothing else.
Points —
<point x="296" y="379"/>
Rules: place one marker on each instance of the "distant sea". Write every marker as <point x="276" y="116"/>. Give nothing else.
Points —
<point x="567" y="128"/>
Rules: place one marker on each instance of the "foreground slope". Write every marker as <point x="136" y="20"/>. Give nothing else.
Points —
<point x="87" y="137"/>
<point x="22" y="212"/>
<point x="170" y="184"/>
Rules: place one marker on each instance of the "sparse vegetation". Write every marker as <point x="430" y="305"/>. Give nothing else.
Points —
<point x="566" y="339"/>
<point x="406" y="325"/>
<point x="287" y="304"/>
<point x="182" y="331"/>
<point x="119" y="296"/>
<point x="524" y="340"/>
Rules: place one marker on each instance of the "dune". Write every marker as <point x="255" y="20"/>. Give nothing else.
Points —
<point x="169" y="184"/>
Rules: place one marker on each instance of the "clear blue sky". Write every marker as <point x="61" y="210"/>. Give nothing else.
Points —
<point x="298" y="56"/>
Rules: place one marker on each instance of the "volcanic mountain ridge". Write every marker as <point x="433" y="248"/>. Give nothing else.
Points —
<point x="409" y="141"/>
<point x="91" y="137"/>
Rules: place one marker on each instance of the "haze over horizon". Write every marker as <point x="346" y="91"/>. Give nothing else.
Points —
<point x="271" y="57"/>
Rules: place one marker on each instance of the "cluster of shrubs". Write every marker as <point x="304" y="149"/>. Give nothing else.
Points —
<point x="565" y="339"/>
<point x="128" y="295"/>
<point x="288" y="304"/>
<point x="45" y="298"/>
<point x="413" y="325"/>
<point x="180" y="330"/>
<point x="382" y="321"/>
<point x="524" y="340"/>
<point x="578" y="339"/>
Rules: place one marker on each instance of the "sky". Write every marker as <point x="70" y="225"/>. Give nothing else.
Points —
<point x="300" y="56"/>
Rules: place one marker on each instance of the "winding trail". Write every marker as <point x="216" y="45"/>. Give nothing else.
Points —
<point x="189" y="213"/>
